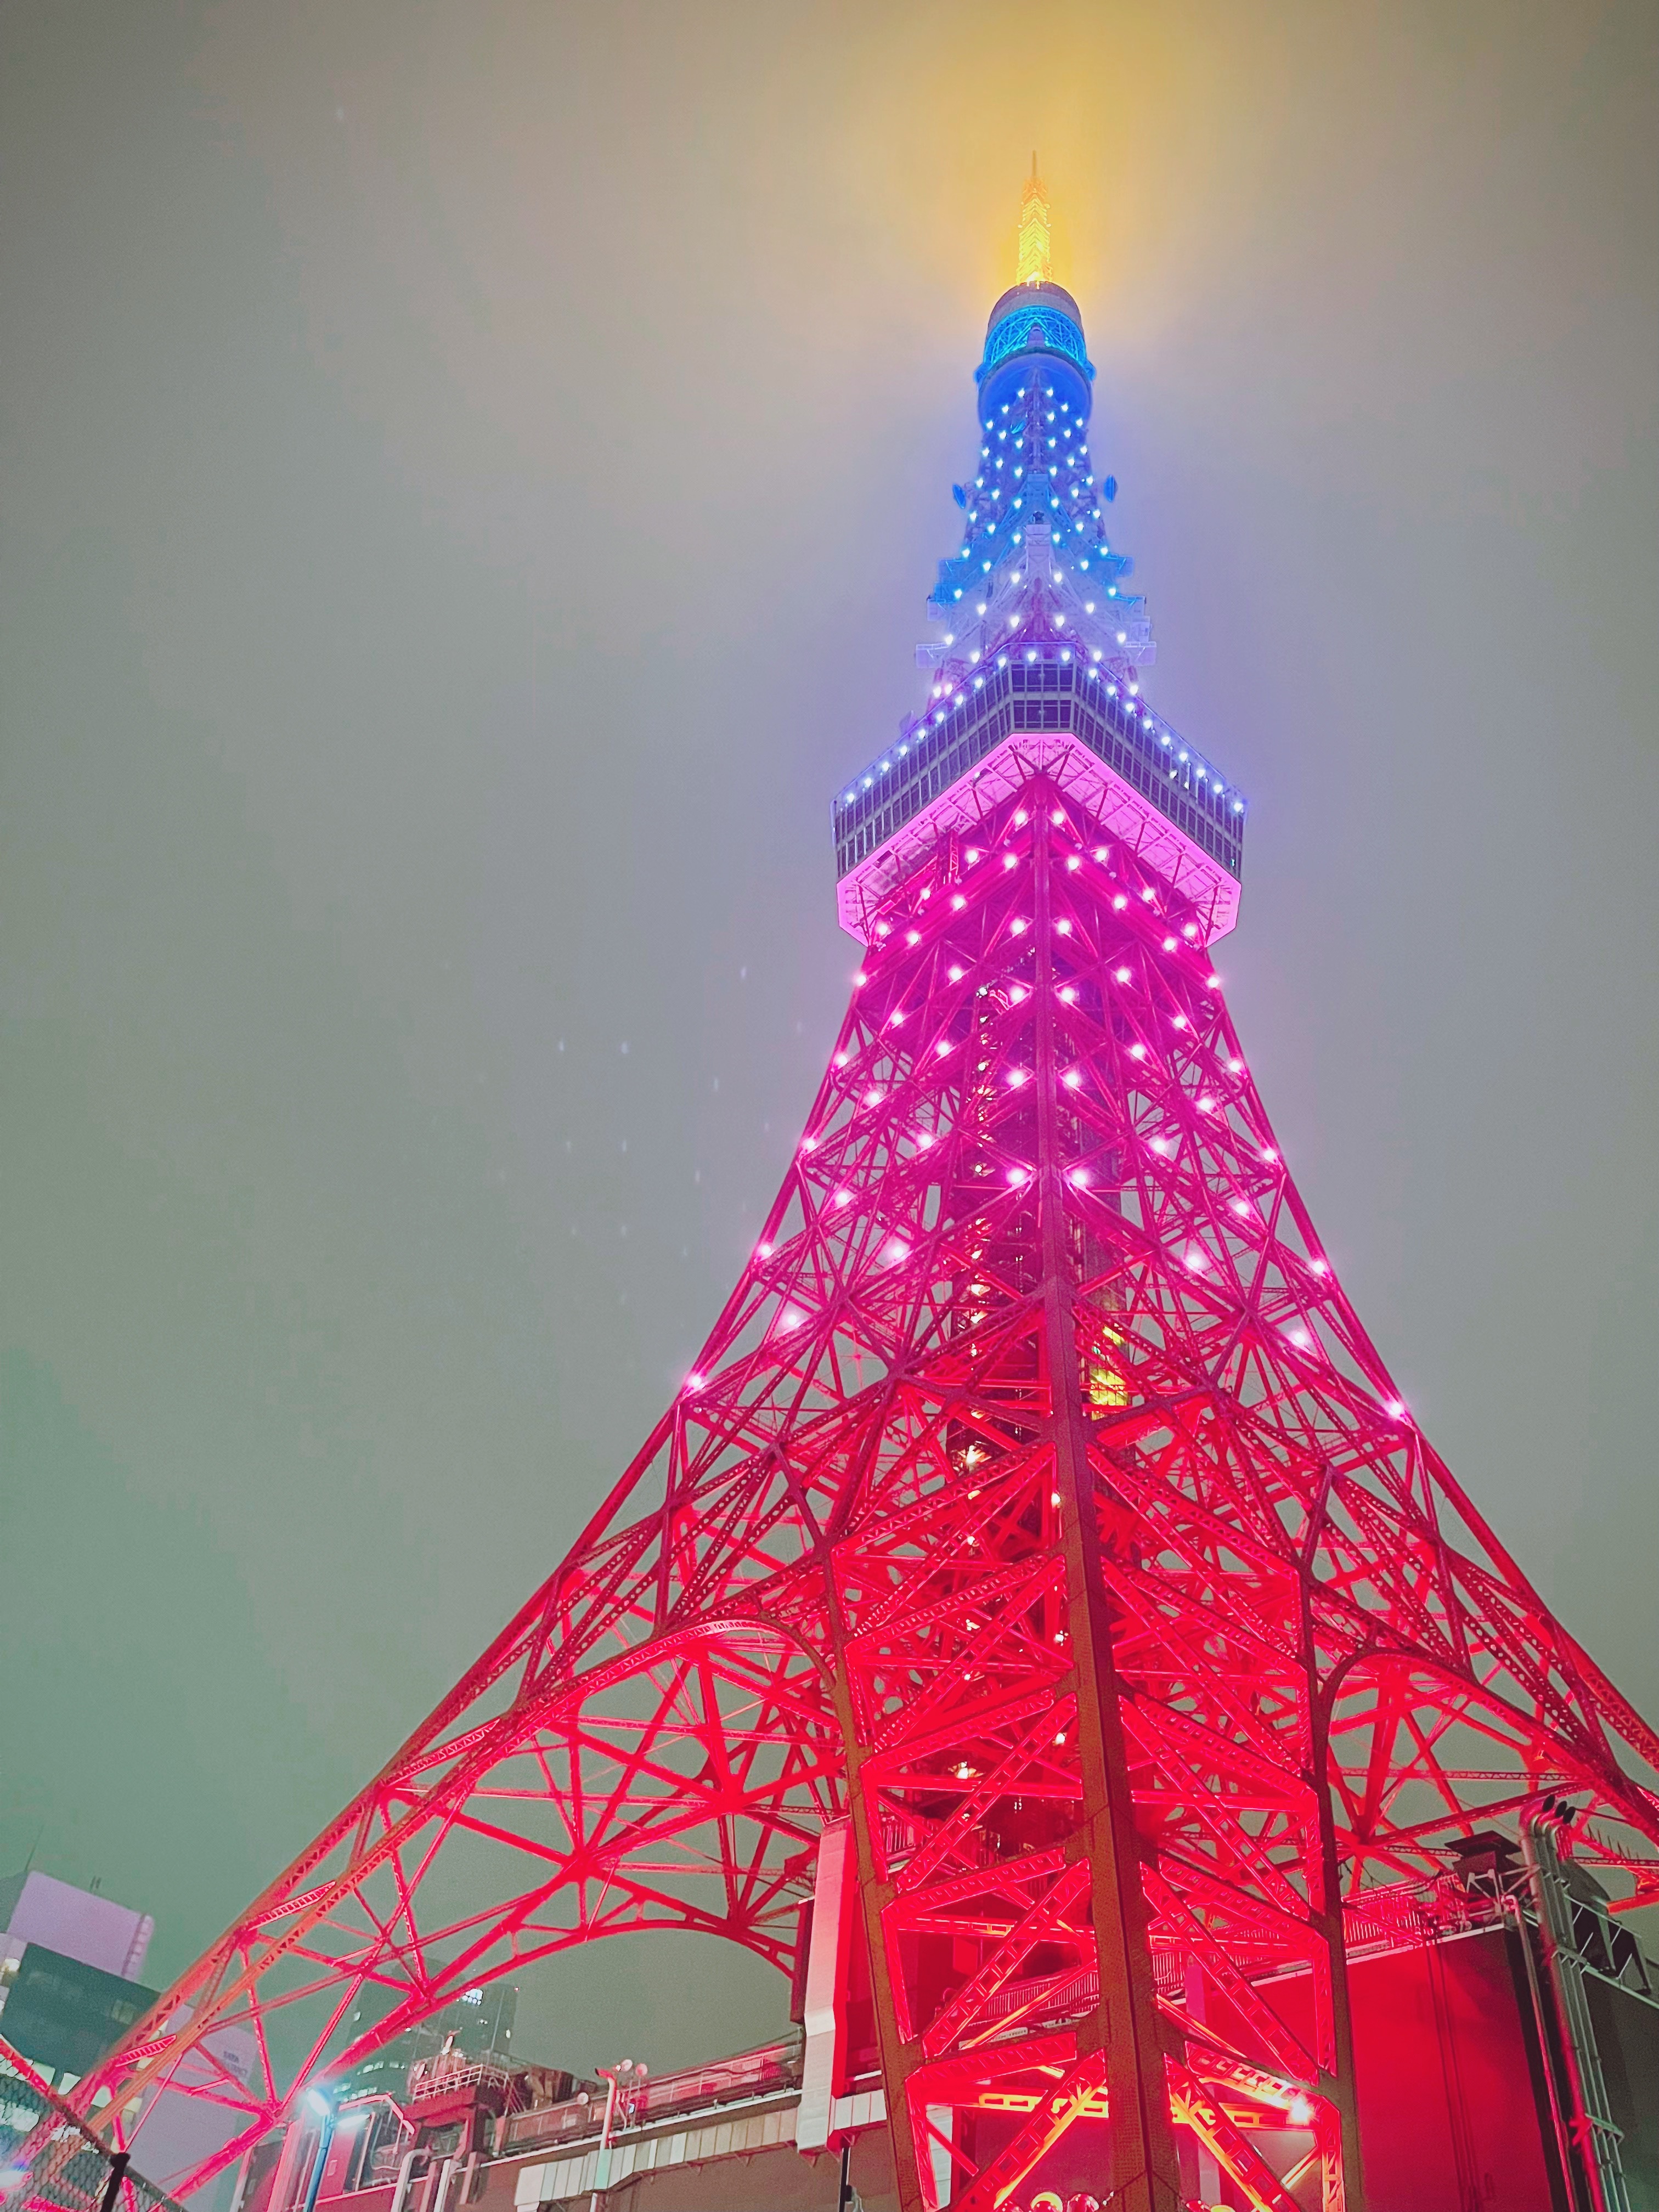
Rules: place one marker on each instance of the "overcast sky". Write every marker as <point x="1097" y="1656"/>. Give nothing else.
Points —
<point x="469" y="478"/>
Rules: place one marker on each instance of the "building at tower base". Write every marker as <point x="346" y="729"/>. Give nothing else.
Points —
<point x="1459" y="2058"/>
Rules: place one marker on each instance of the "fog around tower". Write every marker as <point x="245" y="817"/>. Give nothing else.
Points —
<point x="471" y="482"/>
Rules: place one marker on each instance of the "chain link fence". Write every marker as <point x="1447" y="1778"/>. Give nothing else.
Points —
<point x="50" y="2161"/>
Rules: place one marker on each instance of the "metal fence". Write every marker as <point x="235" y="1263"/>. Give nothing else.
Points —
<point x="729" y="2080"/>
<point x="50" y="2161"/>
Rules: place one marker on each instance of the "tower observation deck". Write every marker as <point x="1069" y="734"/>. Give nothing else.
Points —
<point x="1037" y="1626"/>
<point x="1041" y="642"/>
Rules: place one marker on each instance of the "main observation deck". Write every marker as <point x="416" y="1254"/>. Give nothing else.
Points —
<point x="1149" y="784"/>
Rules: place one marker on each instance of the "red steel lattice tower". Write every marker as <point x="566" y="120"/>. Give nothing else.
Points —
<point x="1039" y="1521"/>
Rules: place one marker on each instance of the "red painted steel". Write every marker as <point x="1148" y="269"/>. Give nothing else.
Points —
<point x="1041" y="1500"/>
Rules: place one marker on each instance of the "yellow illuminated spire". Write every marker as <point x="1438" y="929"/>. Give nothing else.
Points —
<point x="1033" y="231"/>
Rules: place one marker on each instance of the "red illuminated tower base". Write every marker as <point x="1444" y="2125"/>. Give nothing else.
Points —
<point x="1041" y="1572"/>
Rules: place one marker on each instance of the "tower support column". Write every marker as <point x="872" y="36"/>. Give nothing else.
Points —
<point x="1124" y="2038"/>
<point x="897" y="2052"/>
<point x="1344" y="2186"/>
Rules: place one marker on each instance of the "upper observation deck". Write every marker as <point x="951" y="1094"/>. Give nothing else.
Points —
<point x="1041" y="639"/>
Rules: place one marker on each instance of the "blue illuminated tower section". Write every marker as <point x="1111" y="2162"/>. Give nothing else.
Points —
<point x="1035" y="512"/>
<point x="1040" y="632"/>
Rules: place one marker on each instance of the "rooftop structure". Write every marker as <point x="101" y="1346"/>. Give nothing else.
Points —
<point x="475" y="2026"/>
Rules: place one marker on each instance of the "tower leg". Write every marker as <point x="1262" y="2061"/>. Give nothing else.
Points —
<point x="1125" y="2029"/>
<point x="1344" y="2186"/>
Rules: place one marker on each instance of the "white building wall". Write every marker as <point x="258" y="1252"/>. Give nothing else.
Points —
<point x="95" y="1931"/>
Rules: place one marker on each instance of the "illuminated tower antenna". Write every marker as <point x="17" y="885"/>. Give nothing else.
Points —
<point x="1033" y="231"/>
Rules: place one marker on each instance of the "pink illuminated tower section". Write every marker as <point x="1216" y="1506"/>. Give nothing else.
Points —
<point x="1040" y="1575"/>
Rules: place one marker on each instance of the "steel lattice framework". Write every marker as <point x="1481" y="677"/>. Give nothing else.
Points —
<point x="1040" y="1503"/>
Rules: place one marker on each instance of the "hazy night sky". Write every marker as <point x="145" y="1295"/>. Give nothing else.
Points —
<point x="469" y="480"/>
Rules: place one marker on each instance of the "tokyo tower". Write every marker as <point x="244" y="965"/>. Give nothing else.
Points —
<point x="1038" y="1625"/>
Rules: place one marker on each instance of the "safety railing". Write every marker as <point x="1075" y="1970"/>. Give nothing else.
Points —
<point x="775" y="2066"/>
<point x="1052" y="691"/>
